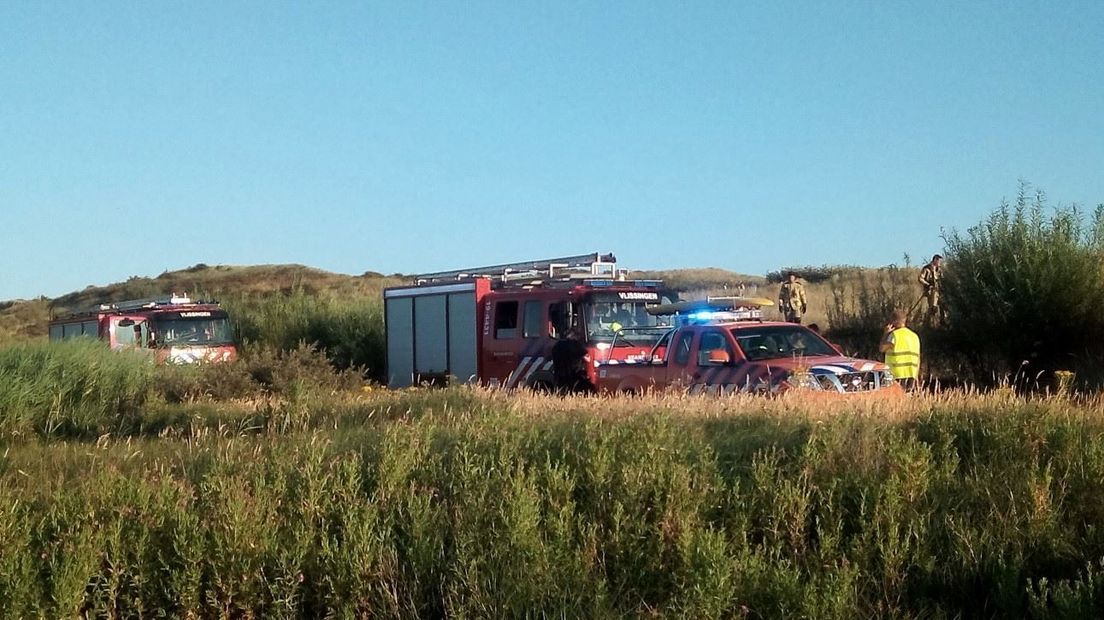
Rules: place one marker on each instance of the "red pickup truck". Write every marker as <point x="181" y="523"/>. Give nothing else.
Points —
<point x="727" y="356"/>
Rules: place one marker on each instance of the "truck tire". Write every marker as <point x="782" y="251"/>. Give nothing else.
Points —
<point x="541" y="381"/>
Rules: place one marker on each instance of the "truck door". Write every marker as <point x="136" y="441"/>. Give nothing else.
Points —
<point x="538" y="326"/>
<point x="500" y="345"/>
<point x="713" y="362"/>
<point x="128" y="332"/>
<point x="680" y="369"/>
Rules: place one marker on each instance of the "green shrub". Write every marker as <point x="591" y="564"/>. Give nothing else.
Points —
<point x="1024" y="291"/>
<point x="349" y="331"/>
<point x="260" y="370"/>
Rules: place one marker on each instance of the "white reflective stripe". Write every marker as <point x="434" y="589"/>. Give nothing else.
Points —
<point x="833" y="369"/>
<point x="534" y="367"/>
<point x="418" y="291"/>
<point x="867" y="366"/>
<point x="516" y="374"/>
<point x="548" y="365"/>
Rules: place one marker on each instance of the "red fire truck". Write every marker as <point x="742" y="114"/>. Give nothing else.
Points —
<point x="175" y="328"/>
<point x="497" y="325"/>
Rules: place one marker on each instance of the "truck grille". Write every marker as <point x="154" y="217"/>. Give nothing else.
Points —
<point x="859" y="381"/>
<point x="865" y="381"/>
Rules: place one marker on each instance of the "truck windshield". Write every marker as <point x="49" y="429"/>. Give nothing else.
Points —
<point x="621" y="313"/>
<point x="780" y="341"/>
<point x="198" y="331"/>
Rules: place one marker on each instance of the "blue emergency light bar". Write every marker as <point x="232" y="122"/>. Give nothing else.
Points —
<point x="709" y="316"/>
<point x="608" y="282"/>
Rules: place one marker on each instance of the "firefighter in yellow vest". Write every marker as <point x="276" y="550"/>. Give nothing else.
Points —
<point x="901" y="346"/>
<point x="791" y="298"/>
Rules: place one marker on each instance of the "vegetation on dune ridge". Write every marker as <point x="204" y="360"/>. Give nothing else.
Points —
<point x="684" y="280"/>
<point x="202" y="280"/>
<point x="245" y="287"/>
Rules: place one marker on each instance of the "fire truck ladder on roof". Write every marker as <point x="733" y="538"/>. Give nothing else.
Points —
<point x="585" y="265"/>
<point x="148" y="302"/>
<point x="134" y="304"/>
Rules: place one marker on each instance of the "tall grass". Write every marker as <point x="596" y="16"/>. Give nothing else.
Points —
<point x="81" y="389"/>
<point x="863" y="300"/>
<point x="464" y="503"/>
<point x="71" y="387"/>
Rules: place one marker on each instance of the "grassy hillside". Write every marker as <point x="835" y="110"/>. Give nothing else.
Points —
<point x="25" y="320"/>
<point x="202" y="280"/>
<point x="22" y="320"/>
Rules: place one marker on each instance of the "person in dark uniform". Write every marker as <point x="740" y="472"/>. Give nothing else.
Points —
<point x="569" y="365"/>
<point x="931" y="278"/>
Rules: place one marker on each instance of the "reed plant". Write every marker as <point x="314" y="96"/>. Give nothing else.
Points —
<point x="72" y="387"/>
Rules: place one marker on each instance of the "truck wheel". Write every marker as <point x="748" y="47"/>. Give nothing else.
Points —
<point x="541" y="381"/>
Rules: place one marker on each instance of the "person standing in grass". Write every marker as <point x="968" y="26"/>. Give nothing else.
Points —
<point x="901" y="346"/>
<point x="931" y="276"/>
<point x="569" y="365"/>
<point x="791" y="298"/>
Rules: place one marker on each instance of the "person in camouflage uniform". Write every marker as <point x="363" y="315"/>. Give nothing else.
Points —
<point x="931" y="276"/>
<point x="791" y="299"/>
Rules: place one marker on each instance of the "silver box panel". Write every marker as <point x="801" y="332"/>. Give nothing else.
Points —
<point x="462" y="327"/>
<point x="400" y="341"/>
<point x="430" y="335"/>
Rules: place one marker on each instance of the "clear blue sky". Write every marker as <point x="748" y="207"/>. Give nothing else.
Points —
<point x="148" y="136"/>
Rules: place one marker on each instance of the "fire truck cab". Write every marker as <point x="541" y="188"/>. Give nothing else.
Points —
<point x="175" y="328"/>
<point x="497" y="325"/>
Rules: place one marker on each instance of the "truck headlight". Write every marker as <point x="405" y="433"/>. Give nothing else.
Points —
<point x="803" y="380"/>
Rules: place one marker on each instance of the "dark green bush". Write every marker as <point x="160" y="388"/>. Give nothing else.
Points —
<point x="812" y="274"/>
<point x="261" y="370"/>
<point x="349" y="331"/>
<point x="1024" y="290"/>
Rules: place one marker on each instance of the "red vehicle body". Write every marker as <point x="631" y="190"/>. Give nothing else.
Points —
<point x="176" y="329"/>
<point x="739" y="356"/>
<point x="497" y="325"/>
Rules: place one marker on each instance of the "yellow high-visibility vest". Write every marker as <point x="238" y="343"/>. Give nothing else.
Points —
<point x="904" y="359"/>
